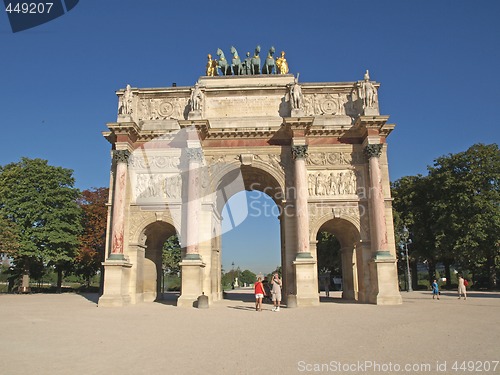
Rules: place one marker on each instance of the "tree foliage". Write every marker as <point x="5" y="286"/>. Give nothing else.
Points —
<point x="40" y="201"/>
<point x="248" y="277"/>
<point x="328" y="250"/>
<point x="454" y="212"/>
<point x="93" y="238"/>
<point x="9" y="237"/>
<point x="171" y="255"/>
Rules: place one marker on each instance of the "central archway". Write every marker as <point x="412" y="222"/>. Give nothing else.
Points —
<point x="254" y="178"/>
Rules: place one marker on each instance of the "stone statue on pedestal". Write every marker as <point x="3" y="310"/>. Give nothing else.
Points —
<point x="196" y="98"/>
<point x="296" y="94"/>
<point x="368" y="92"/>
<point x="126" y="102"/>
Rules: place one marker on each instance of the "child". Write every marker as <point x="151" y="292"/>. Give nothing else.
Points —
<point x="435" y="290"/>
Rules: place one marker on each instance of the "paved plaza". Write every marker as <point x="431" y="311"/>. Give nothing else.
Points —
<point x="69" y="334"/>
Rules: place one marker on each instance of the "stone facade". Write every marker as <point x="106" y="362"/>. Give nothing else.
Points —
<point x="180" y="153"/>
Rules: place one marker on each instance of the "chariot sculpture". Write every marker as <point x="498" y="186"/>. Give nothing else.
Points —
<point x="250" y="66"/>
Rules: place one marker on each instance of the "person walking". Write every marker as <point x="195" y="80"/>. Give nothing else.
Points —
<point x="461" y="287"/>
<point x="276" y="291"/>
<point x="259" y="294"/>
<point x="435" y="290"/>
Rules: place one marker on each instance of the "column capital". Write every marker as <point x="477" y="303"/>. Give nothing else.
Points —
<point x="299" y="151"/>
<point x="121" y="155"/>
<point x="373" y="150"/>
<point x="195" y="154"/>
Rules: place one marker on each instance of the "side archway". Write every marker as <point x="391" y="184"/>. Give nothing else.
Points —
<point x="146" y="255"/>
<point x="346" y="230"/>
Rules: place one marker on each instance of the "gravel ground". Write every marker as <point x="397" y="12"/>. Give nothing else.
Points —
<point x="69" y="334"/>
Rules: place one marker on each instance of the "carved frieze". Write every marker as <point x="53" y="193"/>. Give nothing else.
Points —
<point x="332" y="104"/>
<point x="162" y="109"/>
<point x="334" y="158"/>
<point x="163" y="162"/>
<point x="331" y="183"/>
<point x="158" y="186"/>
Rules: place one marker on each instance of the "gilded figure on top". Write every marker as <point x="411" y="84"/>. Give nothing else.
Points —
<point x="211" y="69"/>
<point x="281" y="64"/>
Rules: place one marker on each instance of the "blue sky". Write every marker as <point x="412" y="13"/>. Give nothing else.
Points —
<point x="437" y="62"/>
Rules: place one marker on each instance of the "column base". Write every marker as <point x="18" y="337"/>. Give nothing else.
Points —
<point x="116" y="283"/>
<point x="350" y="295"/>
<point x="305" y="285"/>
<point x="192" y="281"/>
<point x="385" y="280"/>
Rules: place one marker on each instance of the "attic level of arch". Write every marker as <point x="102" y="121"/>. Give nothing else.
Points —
<point x="268" y="109"/>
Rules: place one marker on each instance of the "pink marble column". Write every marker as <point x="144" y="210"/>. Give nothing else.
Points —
<point x="193" y="203"/>
<point x="119" y="196"/>
<point x="299" y="153"/>
<point x="376" y="199"/>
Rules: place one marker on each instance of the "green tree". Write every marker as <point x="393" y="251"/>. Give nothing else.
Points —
<point x="9" y="236"/>
<point x="454" y="213"/>
<point x="248" y="277"/>
<point x="171" y="255"/>
<point x="41" y="200"/>
<point x="412" y="195"/>
<point x="328" y="250"/>
<point x="468" y="209"/>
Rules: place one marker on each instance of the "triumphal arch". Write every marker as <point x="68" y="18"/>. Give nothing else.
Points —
<point x="318" y="149"/>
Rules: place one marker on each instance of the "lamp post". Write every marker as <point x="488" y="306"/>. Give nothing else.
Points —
<point x="405" y="241"/>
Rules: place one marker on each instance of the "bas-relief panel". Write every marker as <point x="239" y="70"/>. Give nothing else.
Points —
<point x="162" y="109"/>
<point x="154" y="162"/>
<point x="332" y="183"/>
<point x="334" y="158"/>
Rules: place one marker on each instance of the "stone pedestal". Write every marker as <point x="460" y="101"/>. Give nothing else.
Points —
<point x="297" y="112"/>
<point x="305" y="283"/>
<point x="194" y="115"/>
<point x="384" y="271"/>
<point x="116" y="283"/>
<point x="371" y="111"/>
<point x="192" y="281"/>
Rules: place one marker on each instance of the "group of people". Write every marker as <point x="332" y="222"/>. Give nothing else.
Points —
<point x="275" y="291"/>
<point x="462" y="288"/>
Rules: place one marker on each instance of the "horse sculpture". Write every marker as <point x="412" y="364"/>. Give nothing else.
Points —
<point x="269" y="66"/>
<point x="236" y="62"/>
<point x="222" y="63"/>
<point x="256" y="61"/>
